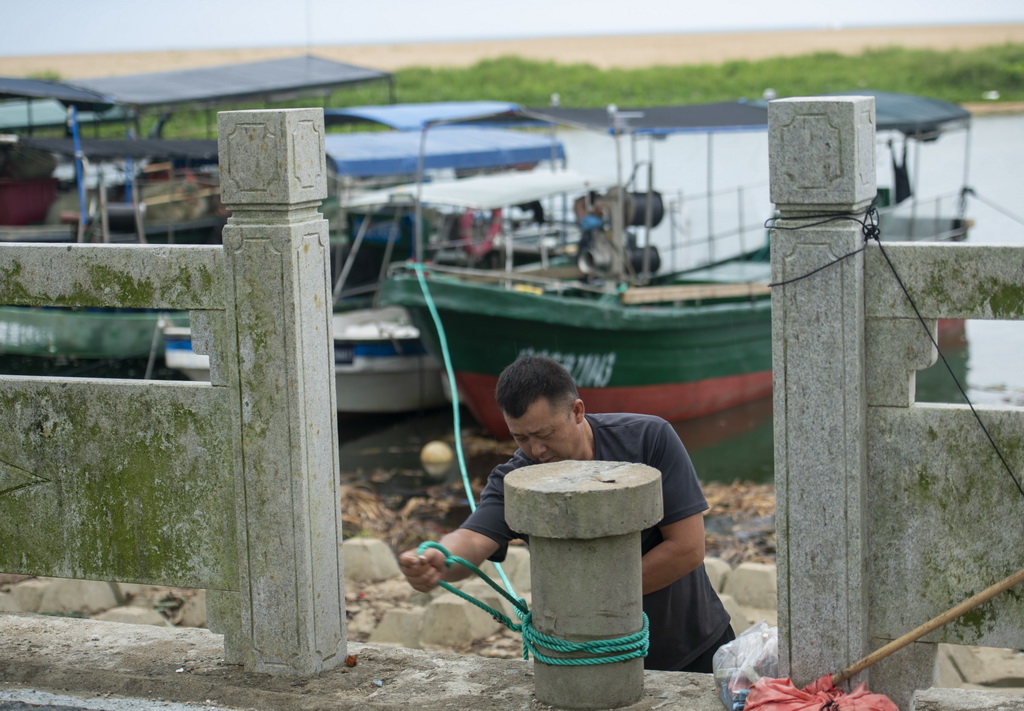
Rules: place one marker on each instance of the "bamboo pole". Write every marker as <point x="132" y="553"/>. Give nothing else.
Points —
<point x="933" y="624"/>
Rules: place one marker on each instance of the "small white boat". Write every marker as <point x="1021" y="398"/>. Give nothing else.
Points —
<point x="380" y="364"/>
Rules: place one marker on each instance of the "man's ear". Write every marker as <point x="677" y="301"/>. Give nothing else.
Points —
<point x="578" y="411"/>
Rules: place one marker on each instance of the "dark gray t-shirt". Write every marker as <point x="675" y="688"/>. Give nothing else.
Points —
<point x="686" y="617"/>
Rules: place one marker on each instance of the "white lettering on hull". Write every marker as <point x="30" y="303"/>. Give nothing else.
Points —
<point x="22" y="335"/>
<point x="589" y="370"/>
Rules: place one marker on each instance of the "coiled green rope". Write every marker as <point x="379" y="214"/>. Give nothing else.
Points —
<point x="619" y="649"/>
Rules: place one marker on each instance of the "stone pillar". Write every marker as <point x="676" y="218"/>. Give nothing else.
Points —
<point x="584" y="521"/>
<point x="273" y="176"/>
<point x="822" y="162"/>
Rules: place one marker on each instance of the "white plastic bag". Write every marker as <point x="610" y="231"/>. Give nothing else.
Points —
<point x="741" y="662"/>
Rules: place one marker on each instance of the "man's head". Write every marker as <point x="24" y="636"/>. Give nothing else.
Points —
<point x="543" y="410"/>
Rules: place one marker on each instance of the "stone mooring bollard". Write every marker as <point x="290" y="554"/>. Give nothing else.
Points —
<point x="584" y="521"/>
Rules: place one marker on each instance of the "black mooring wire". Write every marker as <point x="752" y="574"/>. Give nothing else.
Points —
<point x="869" y="223"/>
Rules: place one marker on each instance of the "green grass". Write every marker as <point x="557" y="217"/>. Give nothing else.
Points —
<point x="958" y="76"/>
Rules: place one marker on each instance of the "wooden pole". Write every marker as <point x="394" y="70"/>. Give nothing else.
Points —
<point x="933" y="624"/>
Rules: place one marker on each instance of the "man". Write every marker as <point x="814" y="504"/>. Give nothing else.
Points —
<point x="548" y="421"/>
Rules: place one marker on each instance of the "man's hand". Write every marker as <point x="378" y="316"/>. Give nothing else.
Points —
<point x="423" y="570"/>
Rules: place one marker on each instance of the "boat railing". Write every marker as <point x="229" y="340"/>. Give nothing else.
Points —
<point x="938" y="218"/>
<point x="707" y="227"/>
<point x="512" y="279"/>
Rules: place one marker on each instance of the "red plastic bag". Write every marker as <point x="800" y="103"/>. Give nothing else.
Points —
<point x="769" y="694"/>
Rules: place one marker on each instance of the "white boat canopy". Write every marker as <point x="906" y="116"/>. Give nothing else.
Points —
<point x="486" y="192"/>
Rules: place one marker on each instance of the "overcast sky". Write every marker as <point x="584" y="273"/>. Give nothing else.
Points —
<point x="79" y="26"/>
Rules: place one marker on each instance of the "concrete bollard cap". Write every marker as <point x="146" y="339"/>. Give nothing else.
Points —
<point x="583" y="500"/>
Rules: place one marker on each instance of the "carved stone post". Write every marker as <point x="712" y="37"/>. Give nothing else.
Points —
<point x="584" y="521"/>
<point x="822" y="159"/>
<point x="273" y="177"/>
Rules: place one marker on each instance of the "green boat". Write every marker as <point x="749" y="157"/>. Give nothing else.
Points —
<point x="678" y="348"/>
<point x="677" y="345"/>
<point x="71" y="334"/>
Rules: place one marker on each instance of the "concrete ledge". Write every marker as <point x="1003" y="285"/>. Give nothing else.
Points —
<point x="86" y="657"/>
<point x="966" y="700"/>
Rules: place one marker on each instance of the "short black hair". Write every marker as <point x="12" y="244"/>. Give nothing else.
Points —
<point x="529" y="378"/>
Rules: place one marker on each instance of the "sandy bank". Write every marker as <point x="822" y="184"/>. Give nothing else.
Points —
<point x="604" y="52"/>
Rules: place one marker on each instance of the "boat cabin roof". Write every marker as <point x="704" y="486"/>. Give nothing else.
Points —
<point x="415" y="116"/>
<point x="458" y="148"/>
<point x="487" y="192"/>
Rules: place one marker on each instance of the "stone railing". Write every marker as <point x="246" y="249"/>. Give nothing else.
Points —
<point x="889" y="511"/>
<point x="233" y="485"/>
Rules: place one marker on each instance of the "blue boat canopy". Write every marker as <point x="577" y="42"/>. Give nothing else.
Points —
<point x="462" y="148"/>
<point x="413" y="117"/>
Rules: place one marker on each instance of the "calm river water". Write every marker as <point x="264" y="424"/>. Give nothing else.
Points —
<point x="737" y="444"/>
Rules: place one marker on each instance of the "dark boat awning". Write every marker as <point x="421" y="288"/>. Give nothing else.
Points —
<point x="355" y="154"/>
<point x="913" y="115"/>
<point x="98" y="149"/>
<point x="86" y="99"/>
<point x="271" y="80"/>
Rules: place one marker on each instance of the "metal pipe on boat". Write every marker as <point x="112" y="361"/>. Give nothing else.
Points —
<point x="134" y="197"/>
<point x="101" y="190"/>
<point x="618" y="216"/>
<point x="83" y="210"/>
<point x="967" y="163"/>
<point x="742" y="223"/>
<point x="915" y="178"/>
<point x="350" y="260"/>
<point x="648" y="217"/>
<point x="158" y="328"/>
<point x="711" y="201"/>
<point x="389" y="248"/>
<point x="418" y="208"/>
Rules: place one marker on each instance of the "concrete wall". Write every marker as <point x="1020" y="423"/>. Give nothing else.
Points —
<point x="231" y="486"/>
<point x="889" y="512"/>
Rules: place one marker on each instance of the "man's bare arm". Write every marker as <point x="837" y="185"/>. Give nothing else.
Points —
<point x="680" y="553"/>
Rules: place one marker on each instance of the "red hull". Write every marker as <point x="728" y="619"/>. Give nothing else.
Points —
<point x="673" y="402"/>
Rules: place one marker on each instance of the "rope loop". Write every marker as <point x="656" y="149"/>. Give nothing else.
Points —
<point x="868" y="222"/>
<point x="618" y="649"/>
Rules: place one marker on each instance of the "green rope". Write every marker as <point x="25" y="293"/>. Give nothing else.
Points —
<point x="617" y="650"/>
<point x="453" y="387"/>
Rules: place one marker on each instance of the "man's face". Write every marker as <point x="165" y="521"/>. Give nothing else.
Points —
<point x="547" y="434"/>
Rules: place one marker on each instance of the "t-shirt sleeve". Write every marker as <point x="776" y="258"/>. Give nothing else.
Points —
<point x="489" y="517"/>
<point x="682" y="495"/>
